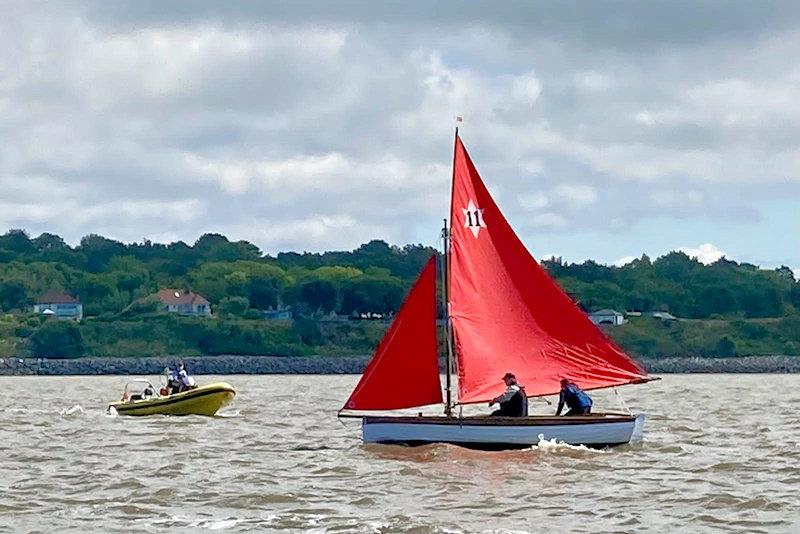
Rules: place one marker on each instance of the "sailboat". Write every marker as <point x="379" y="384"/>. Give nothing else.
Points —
<point x="503" y="313"/>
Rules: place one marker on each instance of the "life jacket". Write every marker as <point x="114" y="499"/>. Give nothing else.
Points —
<point x="517" y="405"/>
<point x="574" y="397"/>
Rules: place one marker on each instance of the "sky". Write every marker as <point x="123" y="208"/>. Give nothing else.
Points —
<point x="604" y="130"/>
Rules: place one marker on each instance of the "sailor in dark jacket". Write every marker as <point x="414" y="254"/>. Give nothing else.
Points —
<point x="578" y="402"/>
<point x="514" y="402"/>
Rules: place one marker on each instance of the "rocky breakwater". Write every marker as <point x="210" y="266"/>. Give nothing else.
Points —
<point x="328" y="365"/>
<point x="202" y="365"/>
<point x="739" y="364"/>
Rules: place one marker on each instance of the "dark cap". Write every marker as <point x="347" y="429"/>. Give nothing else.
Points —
<point x="564" y="381"/>
<point x="509" y="375"/>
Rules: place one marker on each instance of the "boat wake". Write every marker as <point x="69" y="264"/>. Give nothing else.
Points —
<point x="551" y="445"/>
<point x="232" y="413"/>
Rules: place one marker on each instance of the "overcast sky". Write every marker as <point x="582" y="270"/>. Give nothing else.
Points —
<point x="603" y="129"/>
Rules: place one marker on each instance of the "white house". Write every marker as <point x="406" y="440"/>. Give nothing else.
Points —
<point x="59" y="305"/>
<point x="183" y="302"/>
<point x="607" y="317"/>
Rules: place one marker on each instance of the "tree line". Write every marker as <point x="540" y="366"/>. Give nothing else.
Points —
<point x="108" y="276"/>
<point x="729" y="308"/>
<point x="235" y="276"/>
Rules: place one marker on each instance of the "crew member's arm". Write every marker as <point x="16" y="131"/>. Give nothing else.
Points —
<point x="560" y="402"/>
<point x="505" y="396"/>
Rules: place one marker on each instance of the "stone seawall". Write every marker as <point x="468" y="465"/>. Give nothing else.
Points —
<point x="740" y="364"/>
<point x="234" y="365"/>
<point x="203" y="365"/>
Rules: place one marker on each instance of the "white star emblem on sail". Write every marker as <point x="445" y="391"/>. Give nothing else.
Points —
<point x="473" y="218"/>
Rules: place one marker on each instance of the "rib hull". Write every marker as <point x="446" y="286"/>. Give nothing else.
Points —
<point x="204" y="400"/>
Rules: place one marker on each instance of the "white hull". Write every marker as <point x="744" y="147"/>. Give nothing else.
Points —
<point x="497" y="433"/>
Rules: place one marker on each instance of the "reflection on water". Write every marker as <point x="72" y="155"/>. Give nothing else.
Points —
<point x="721" y="454"/>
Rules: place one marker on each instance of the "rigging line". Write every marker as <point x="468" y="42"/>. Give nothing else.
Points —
<point x="621" y="401"/>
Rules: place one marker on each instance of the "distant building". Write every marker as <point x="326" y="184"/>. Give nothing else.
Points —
<point x="59" y="305"/>
<point x="607" y="317"/>
<point x="280" y="314"/>
<point x="664" y="316"/>
<point x="183" y="302"/>
<point x="333" y="317"/>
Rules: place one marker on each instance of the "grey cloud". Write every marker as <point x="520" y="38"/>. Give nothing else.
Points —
<point x="620" y="23"/>
<point x="113" y="107"/>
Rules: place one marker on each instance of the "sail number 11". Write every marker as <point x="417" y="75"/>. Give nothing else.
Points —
<point x="474" y="218"/>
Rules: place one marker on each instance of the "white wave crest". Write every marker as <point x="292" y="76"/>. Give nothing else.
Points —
<point x="77" y="409"/>
<point x="551" y="445"/>
<point x="219" y="525"/>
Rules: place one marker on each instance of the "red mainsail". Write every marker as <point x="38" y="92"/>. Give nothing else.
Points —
<point x="404" y="371"/>
<point x="508" y="314"/>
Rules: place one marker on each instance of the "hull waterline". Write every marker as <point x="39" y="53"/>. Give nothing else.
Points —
<point x="492" y="433"/>
<point x="204" y="400"/>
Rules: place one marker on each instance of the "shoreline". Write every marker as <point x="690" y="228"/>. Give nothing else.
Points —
<point x="331" y="365"/>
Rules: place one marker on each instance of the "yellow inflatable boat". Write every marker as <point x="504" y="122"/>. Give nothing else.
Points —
<point x="141" y="398"/>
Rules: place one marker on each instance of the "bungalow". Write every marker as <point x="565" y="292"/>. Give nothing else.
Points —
<point x="183" y="302"/>
<point x="59" y="305"/>
<point x="606" y="316"/>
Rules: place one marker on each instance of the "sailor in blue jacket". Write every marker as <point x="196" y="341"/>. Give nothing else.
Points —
<point x="576" y="400"/>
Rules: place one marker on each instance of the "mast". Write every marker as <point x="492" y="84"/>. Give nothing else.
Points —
<point x="448" y="403"/>
<point x="448" y="329"/>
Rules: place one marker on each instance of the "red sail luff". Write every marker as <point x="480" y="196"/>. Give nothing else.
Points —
<point x="509" y="315"/>
<point x="404" y="371"/>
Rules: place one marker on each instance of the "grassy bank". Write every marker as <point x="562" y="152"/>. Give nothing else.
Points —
<point x="163" y="334"/>
<point x="645" y="337"/>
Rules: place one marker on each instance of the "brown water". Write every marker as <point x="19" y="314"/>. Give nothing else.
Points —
<point x="721" y="454"/>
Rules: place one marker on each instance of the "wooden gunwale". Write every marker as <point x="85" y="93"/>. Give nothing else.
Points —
<point x="600" y="418"/>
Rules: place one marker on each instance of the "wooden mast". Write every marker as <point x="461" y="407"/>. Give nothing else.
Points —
<point x="448" y="330"/>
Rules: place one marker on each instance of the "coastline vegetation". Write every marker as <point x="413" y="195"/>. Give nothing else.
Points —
<point x="723" y="309"/>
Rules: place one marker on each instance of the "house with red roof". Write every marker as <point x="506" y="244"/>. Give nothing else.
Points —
<point x="59" y="305"/>
<point x="183" y="302"/>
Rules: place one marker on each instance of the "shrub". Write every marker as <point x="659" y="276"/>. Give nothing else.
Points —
<point x="308" y="331"/>
<point x="726" y="348"/>
<point x="57" y="339"/>
<point x="235" y="306"/>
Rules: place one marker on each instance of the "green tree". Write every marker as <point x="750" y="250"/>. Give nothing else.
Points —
<point x="313" y="295"/>
<point x="236" y="306"/>
<point x="308" y="331"/>
<point x="99" y="250"/>
<point x="216" y="247"/>
<point x="377" y="294"/>
<point x="128" y="273"/>
<point x="13" y="295"/>
<point x="49" y="242"/>
<point x="16" y="241"/>
<point x="726" y="348"/>
<point x="57" y="339"/>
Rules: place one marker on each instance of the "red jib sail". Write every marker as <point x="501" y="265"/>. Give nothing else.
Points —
<point x="509" y="315"/>
<point x="404" y="371"/>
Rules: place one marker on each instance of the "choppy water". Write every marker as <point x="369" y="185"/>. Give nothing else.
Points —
<point x="722" y="454"/>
